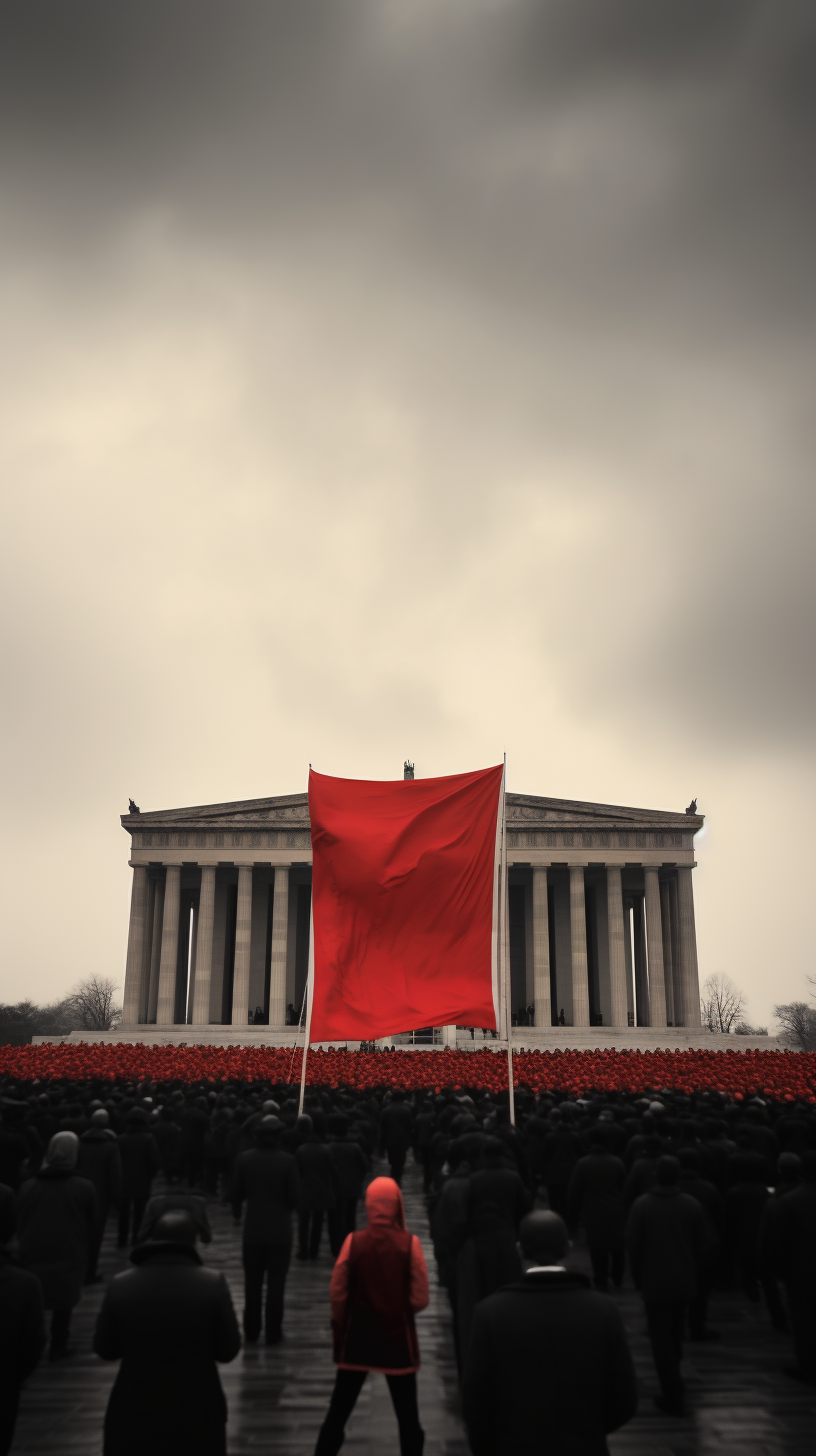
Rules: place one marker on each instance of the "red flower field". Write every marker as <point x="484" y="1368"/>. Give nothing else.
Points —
<point x="784" y="1076"/>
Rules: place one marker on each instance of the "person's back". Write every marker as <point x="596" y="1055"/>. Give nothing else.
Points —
<point x="548" y="1370"/>
<point x="168" y="1320"/>
<point x="267" y="1179"/>
<point x="22" y="1323"/>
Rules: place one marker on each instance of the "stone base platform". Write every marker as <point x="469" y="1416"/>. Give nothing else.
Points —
<point x="550" y="1038"/>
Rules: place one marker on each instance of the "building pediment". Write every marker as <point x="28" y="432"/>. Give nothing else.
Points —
<point x="282" y="822"/>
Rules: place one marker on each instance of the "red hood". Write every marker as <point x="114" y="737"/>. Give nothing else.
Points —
<point x="384" y="1205"/>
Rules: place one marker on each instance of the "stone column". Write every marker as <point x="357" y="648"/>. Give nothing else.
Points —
<point x="204" y="947"/>
<point x="687" y="948"/>
<point x="449" y="1036"/>
<point x="617" y="946"/>
<point x="155" y="950"/>
<point x="168" y="966"/>
<point x="243" y="938"/>
<point x="580" y="982"/>
<point x="668" y="959"/>
<point x="138" y="933"/>
<point x="277" y="960"/>
<point x="654" y="947"/>
<point x="541" y="948"/>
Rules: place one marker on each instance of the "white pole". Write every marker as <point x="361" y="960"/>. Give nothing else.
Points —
<point x="504" y="945"/>
<point x="309" y="988"/>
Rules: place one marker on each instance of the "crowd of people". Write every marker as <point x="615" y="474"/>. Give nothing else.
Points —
<point x="683" y="1194"/>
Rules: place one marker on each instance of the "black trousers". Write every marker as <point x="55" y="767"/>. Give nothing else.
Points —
<point x="802" y="1310"/>
<point x="9" y="1401"/>
<point x="342" y="1221"/>
<point x="310" y="1227"/>
<point x="272" y="1261"/>
<point x="666" y="1324"/>
<point x="130" y="1207"/>
<point x="347" y="1387"/>
<point x="97" y="1235"/>
<point x="396" y="1160"/>
<point x="602" y="1258"/>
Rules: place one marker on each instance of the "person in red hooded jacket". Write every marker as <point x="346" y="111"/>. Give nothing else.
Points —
<point x="380" y="1281"/>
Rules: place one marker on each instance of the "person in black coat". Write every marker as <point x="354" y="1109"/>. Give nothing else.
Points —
<point x="710" y="1200"/>
<point x="162" y="1203"/>
<point x="167" y="1136"/>
<point x="55" y="1224"/>
<point x="788" y="1247"/>
<point x="318" y="1187"/>
<point x="195" y="1126"/>
<point x="488" y="1258"/>
<point x="595" y="1199"/>
<point x="396" y="1134"/>
<point x="548" y="1366"/>
<point x="351" y="1167"/>
<point x="266" y="1179"/>
<point x="560" y="1152"/>
<point x="168" y="1320"/>
<point x="99" y="1162"/>
<point x="140" y="1164"/>
<point x="22" y="1322"/>
<point x="668" y="1238"/>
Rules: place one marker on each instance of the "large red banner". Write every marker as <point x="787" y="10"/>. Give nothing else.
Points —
<point x="403" y="900"/>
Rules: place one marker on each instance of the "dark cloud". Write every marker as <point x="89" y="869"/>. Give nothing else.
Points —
<point x="354" y="348"/>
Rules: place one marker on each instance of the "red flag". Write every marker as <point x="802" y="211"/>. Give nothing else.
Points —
<point x="403" y="894"/>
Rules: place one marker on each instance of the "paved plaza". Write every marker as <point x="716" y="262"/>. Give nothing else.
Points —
<point x="740" y="1402"/>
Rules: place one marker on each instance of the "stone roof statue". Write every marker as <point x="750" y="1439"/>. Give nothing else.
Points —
<point x="692" y="807"/>
<point x="133" y="808"/>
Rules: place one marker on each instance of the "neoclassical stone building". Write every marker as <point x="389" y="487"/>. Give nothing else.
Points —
<point x="600" y="915"/>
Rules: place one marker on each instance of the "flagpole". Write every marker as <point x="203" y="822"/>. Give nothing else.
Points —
<point x="307" y="1032"/>
<point x="505" y="968"/>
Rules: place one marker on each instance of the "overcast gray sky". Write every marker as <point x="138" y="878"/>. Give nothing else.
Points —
<point x="390" y="378"/>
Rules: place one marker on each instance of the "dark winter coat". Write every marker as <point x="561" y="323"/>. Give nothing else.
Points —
<point x="559" y="1154"/>
<point x="595" y="1199"/>
<point x="318" y="1178"/>
<point x="547" y="1370"/>
<point x="267" y="1180"/>
<point x="788" y="1236"/>
<point x="22" y="1326"/>
<point x="140" y="1163"/>
<point x="668" y="1237"/>
<point x="167" y="1136"/>
<point x="99" y="1162"/>
<point x="497" y="1200"/>
<point x="55" y="1223"/>
<point x="396" y="1127"/>
<point x="350" y="1165"/>
<point x="168" y="1320"/>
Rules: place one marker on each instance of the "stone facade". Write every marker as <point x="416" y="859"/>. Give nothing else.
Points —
<point x="599" y="917"/>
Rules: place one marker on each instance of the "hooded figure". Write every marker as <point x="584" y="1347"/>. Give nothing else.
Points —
<point x="56" y="1223"/>
<point x="380" y="1281"/>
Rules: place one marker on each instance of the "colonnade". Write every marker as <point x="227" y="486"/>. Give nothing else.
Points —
<point x="652" y="984"/>
<point x="653" y="981"/>
<point x="166" y="985"/>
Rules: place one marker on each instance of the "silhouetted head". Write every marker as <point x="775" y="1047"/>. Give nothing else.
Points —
<point x="668" y="1171"/>
<point x="397" y="1095"/>
<point x="689" y="1160"/>
<point x="174" y="1227"/>
<point x="492" y="1151"/>
<point x="543" y="1237"/>
<point x="304" y="1123"/>
<point x="100" y="1118"/>
<point x="268" y="1131"/>
<point x="63" y="1151"/>
<point x="789" y="1168"/>
<point x="269" y="1108"/>
<point x="596" y="1138"/>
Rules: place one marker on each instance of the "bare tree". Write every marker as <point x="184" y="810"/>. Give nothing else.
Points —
<point x="93" y="1003"/>
<point x="798" y="1022"/>
<point x="721" y="1004"/>
<point x="744" y="1028"/>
